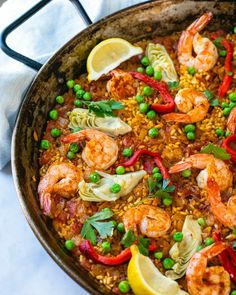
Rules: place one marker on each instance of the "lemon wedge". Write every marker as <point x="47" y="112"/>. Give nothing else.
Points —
<point x="145" y="278"/>
<point x="107" y="55"/>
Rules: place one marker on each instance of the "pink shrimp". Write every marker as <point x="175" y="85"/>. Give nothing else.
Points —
<point x="206" y="52"/>
<point x="231" y="122"/>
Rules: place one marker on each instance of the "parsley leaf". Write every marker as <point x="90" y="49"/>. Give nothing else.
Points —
<point x="104" y="107"/>
<point x="165" y="183"/>
<point x="217" y="43"/>
<point x="143" y="244"/>
<point x="128" y="238"/>
<point x="214" y="102"/>
<point x="104" y="229"/>
<point x="151" y="185"/>
<point x="173" y="84"/>
<point x="218" y="152"/>
<point x="162" y="194"/>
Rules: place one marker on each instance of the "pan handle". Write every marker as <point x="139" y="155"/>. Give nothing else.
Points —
<point x="20" y="57"/>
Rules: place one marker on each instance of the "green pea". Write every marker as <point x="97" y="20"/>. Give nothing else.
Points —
<point x="234" y="291"/>
<point x="127" y="152"/>
<point x="115" y="188"/>
<point x="232" y="104"/>
<point x="191" y="70"/>
<point x="94" y="177"/>
<point x="226" y="111"/>
<point x="232" y="96"/>
<point x="168" y="263"/>
<point x="201" y="221"/>
<point x="224" y="105"/>
<point x="157" y="176"/>
<point x="55" y="132"/>
<point x="145" y="61"/>
<point x="149" y="70"/>
<point x="222" y="53"/>
<point x="77" y="87"/>
<point x="87" y="96"/>
<point x="60" y="99"/>
<point x="234" y="30"/>
<point x="139" y="98"/>
<point x="153" y="132"/>
<point x="70" y="155"/>
<point x="120" y="170"/>
<point x="158" y="75"/>
<point x="155" y="170"/>
<point x="69" y="244"/>
<point x="80" y="93"/>
<point x="70" y="83"/>
<point x="121" y="228"/>
<point x="178" y="237"/>
<point x="78" y="103"/>
<point x="140" y="69"/>
<point x="186" y="173"/>
<point x="147" y="91"/>
<point x="124" y="286"/>
<point x="53" y="114"/>
<point x="143" y="107"/>
<point x="199" y="248"/>
<point x="76" y="129"/>
<point x="219" y="132"/>
<point x="209" y="241"/>
<point x="227" y="133"/>
<point x="151" y="115"/>
<point x="158" y="255"/>
<point x="190" y="135"/>
<point x="208" y="94"/>
<point x="167" y="201"/>
<point x="189" y="128"/>
<point x="74" y="147"/>
<point x="106" y="247"/>
<point x="45" y="144"/>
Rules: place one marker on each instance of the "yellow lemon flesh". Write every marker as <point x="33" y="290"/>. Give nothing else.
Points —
<point x="107" y="55"/>
<point x="146" y="279"/>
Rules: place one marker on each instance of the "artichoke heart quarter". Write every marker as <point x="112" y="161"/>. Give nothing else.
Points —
<point x="182" y="252"/>
<point x="84" y="119"/>
<point x="100" y="192"/>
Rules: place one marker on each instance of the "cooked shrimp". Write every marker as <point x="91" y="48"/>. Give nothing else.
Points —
<point x="60" y="180"/>
<point x="231" y="122"/>
<point x="206" y="52"/>
<point x="192" y="103"/>
<point x="151" y="221"/>
<point x="226" y="214"/>
<point x="211" y="167"/>
<point x="101" y="150"/>
<point x="121" y="85"/>
<point x="203" y="280"/>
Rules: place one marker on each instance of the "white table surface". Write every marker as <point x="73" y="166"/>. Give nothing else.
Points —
<point x="25" y="267"/>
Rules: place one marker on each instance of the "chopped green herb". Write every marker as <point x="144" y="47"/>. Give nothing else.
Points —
<point x="104" y="229"/>
<point x="143" y="244"/>
<point x="215" y="102"/>
<point x="103" y="108"/>
<point x="173" y="84"/>
<point x="217" y="43"/>
<point x="128" y="239"/>
<point x="218" y="152"/>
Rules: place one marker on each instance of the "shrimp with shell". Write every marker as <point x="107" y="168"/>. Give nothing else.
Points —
<point x="192" y="104"/>
<point x="203" y="280"/>
<point x="231" y="122"/>
<point x="206" y="52"/>
<point x="121" y="85"/>
<point x="210" y="166"/>
<point x="226" y="214"/>
<point x="100" y="152"/>
<point x="60" y="180"/>
<point x="150" y="221"/>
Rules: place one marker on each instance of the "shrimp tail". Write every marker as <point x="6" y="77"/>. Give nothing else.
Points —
<point x="180" y="167"/>
<point x="200" y="23"/>
<point x="175" y="117"/>
<point x="73" y="137"/>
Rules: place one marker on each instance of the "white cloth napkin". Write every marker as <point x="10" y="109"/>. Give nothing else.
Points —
<point x="38" y="38"/>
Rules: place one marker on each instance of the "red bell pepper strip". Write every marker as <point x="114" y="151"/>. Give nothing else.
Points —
<point x="227" y="258"/>
<point x="157" y="159"/>
<point x="224" y="87"/>
<point x="226" y="146"/>
<point x="88" y="250"/>
<point x="162" y="88"/>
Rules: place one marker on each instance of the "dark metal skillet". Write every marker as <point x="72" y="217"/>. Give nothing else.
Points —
<point x="132" y="24"/>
